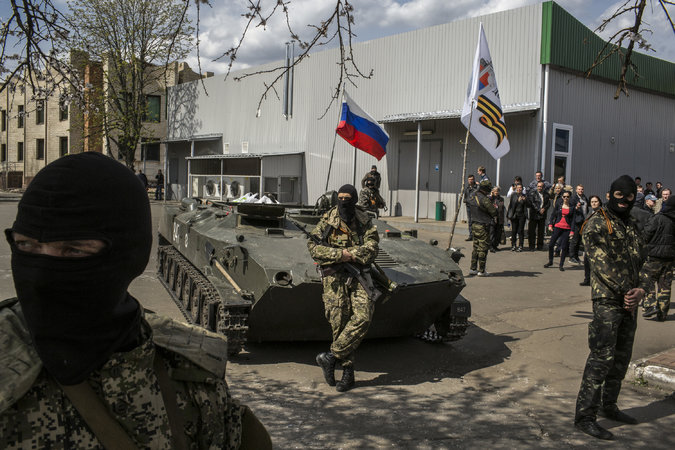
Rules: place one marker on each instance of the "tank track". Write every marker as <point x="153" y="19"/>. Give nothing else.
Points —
<point x="198" y="299"/>
<point x="457" y="327"/>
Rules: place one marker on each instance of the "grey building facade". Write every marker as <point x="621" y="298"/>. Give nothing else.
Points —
<point x="557" y="120"/>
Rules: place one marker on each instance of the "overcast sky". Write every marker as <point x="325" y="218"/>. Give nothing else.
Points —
<point x="221" y="24"/>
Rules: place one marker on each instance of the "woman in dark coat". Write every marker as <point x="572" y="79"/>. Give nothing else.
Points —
<point x="561" y="226"/>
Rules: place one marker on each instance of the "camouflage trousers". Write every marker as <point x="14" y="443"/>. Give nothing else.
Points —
<point x="349" y="312"/>
<point x="481" y="245"/>
<point x="610" y="339"/>
<point x="660" y="275"/>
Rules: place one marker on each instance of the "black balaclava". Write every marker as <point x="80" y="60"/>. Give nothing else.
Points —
<point x="370" y="182"/>
<point x="627" y="186"/>
<point x="78" y="310"/>
<point x="347" y="208"/>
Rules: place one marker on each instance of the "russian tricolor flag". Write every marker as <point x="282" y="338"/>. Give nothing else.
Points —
<point x="360" y="130"/>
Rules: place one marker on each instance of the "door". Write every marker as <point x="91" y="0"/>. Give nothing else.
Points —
<point x="430" y="178"/>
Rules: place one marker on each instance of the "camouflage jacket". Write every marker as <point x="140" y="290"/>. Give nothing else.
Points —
<point x="339" y="236"/>
<point x="614" y="251"/>
<point x="482" y="209"/>
<point x="371" y="199"/>
<point x="36" y="413"/>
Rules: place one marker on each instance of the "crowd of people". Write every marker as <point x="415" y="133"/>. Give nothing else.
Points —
<point x="559" y="208"/>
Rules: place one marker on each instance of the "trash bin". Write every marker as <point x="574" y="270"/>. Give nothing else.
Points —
<point x="440" y="211"/>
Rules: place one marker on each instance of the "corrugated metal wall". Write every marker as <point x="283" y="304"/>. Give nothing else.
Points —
<point x="421" y="71"/>
<point x="631" y="135"/>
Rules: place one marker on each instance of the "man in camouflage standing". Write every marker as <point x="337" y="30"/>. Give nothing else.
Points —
<point x="613" y="246"/>
<point x="483" y="214"/>
<point x="370" y="198"/>
<point x="346" y="235"/>
<point x="660" y="238"/>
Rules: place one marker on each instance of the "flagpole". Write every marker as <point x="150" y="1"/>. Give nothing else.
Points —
<point x="461" y="194"/>
<point x="332" y="152"/>
<point x="498" y="167"/>
<point x="417" y="171"/>
<point x="354" y="169"/>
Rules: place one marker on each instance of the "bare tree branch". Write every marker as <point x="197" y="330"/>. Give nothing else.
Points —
<point x="632" y="35"/>
<point x="337" y="25"/>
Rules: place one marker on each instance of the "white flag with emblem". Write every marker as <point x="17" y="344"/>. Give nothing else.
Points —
<point x="482" y="106"/>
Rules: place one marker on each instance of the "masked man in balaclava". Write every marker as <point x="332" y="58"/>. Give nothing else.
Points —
<point x="613" y="247"/>
<point x="81" y="364"/>
<point x="370" y="198"/>
<point x="483" y="215"/>
<point x="347" y="235"/>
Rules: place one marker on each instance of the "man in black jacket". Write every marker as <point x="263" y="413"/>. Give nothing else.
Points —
<point x="538" y="201"/>
<point x="517" y="213"/>
<point x="660" y="237"/>
<point x="579" y="204"/>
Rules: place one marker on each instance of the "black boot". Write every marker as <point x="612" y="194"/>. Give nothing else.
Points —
<point x="347" y="381"/>
<point x="592" y="428"/>
<point x="326" y="361"/>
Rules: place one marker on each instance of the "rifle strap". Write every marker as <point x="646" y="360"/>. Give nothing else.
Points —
<point x="169" y="396"/>
<point x="104" y="426"/>
<point x="326" y="232"/>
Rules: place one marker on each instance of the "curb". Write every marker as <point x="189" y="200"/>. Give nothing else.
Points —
<point x="641" y="371"/>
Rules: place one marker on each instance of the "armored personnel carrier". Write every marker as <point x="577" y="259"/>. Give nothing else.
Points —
<point x="244" y="270"/>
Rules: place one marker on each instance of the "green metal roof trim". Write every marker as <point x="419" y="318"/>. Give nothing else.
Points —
<point x="568" y="43"/>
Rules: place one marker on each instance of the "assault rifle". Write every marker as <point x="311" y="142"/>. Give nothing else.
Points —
<point x="372" y="278"/>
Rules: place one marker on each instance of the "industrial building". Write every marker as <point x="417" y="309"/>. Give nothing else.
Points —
<point x="558" y="120"/>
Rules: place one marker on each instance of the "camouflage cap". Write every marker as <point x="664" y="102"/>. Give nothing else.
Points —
<point x="485" y="185"/>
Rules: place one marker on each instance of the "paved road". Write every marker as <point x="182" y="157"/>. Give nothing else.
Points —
<point x="510" y="383"/>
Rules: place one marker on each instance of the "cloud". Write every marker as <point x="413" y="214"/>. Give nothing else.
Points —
<point x="222" y="25"/>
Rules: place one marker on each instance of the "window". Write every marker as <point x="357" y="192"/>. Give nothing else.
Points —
<point x="562" y="151"/>
<point x="63" y="110"/>
<point x="19" y="119"/>
<point x="40" y="149"/>
<point x="19" y="151"/>
<point x="150" y="151"/>
<point x="3" y="152"/>
<point x="63" y="146"/>
<point x="4" y="120"/>
<point x="153" y="108"/>
<point x="40" y="112"/>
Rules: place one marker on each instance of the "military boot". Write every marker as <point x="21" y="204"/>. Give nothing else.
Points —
<point x="326" y="361"/>
<point x="592" y="428"/>
<point x="347" y="381"/>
